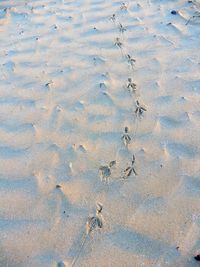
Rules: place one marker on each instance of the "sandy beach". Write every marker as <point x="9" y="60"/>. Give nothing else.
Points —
<point x="99" y="133"/>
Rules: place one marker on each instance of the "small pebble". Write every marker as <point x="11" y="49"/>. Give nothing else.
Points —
<point x="60" y="264"/>
<point x="173" y="12"/>
<point x="197" y="258"/>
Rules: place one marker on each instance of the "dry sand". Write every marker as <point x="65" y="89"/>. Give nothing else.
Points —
<point x="64" y="104"/>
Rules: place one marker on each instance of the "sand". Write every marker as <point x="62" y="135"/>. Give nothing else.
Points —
<point x="64" y="105"/>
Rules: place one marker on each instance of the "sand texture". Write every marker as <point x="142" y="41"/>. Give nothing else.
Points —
<point x="99" y="105"/>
